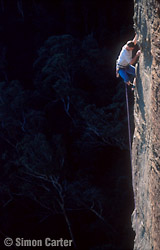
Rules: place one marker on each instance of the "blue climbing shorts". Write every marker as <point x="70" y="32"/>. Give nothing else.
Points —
<point x="124" y="73"/>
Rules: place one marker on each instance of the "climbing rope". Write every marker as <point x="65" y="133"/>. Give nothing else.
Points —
<point x="129" y="128"/>
<point x="130" y="150"/>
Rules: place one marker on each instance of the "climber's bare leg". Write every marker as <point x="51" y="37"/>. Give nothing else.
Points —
<point x="128" y="83"/>
<point x="134" y="81"/>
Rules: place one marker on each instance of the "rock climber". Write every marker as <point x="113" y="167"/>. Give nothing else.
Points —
<point x="125" y="62"/>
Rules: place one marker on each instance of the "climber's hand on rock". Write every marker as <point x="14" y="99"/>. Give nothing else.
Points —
<point x="138" y="53"/>
<point x="117" y="73"/>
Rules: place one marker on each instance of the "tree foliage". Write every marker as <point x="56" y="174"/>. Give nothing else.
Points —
<point x="50" y="133"/>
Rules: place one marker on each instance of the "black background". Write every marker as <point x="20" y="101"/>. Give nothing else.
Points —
<point x="105" y="165"/>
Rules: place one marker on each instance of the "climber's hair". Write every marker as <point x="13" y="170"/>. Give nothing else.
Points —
<point x="130" y="44"/>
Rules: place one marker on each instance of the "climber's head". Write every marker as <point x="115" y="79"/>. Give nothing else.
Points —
<point x="130" y="45"/>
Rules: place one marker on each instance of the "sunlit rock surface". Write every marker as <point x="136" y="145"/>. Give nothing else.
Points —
<point x="146" y="141"/>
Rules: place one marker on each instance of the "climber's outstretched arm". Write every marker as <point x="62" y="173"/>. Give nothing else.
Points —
<point x="135" y="39"/>
<point x="134" y="59"/>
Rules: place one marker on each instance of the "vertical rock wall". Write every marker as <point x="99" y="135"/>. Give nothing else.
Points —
<point x="146" y="141"/>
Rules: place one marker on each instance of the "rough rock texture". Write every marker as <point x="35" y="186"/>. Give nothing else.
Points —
<point x="146" y="141"/>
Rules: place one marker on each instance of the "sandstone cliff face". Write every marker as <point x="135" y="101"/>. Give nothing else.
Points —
<point x="146" y="141"/>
